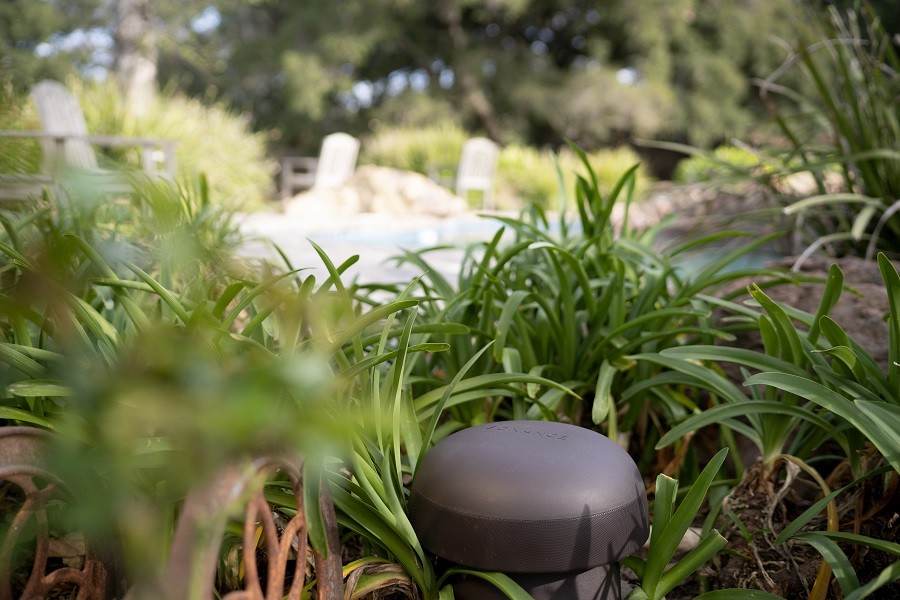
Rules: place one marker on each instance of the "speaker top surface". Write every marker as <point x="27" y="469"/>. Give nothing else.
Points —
<point x="529" y="496"/>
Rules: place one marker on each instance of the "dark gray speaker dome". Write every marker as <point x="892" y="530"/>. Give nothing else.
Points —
<point x="529" y="497"/>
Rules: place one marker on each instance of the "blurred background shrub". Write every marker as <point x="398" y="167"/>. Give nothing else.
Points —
<point x="529" y="174"/>
<point x="16" y="112"/>
<point x="211" y="140"/>
<point x="524" y="174"/>
<point x="724" y="161"/>
<point x="432" y="151"/>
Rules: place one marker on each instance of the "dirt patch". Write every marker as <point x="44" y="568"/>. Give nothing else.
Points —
<point x="751" y="520"/>
<point x="860" y="311"/>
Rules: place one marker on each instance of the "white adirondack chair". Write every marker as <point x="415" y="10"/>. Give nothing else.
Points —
<point x="67" y="145"/>
<point x="477" y="165"/>
<point x="332" y="169"/>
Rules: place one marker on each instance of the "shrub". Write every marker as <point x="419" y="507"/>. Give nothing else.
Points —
<point x="609" y="165"/>
<point x="852" y="120"/>
<point x="524" y="174"/>
<point x="432" y="151"/>
<point x="571" y="300"/>
<point x="529" y="175"/>
<point x="18" y="155"/>
<point x="724" y="161"/>
<point x="168" y="378"/>
<point x="211" y="140"/>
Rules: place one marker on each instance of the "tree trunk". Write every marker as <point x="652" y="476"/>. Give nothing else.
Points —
<point x="136" y="52"/>
<point x="468" y="81"/>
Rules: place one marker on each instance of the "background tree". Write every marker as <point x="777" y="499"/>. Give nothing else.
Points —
<point x="136" y="52"/>
<point x="536" y="71"/>
<point x="28" y="29"/>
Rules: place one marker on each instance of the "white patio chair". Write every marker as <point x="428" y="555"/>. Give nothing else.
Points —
<point x="477" y="165"/>
<point x="332" y="169"/>
<point x="67" y="144"/>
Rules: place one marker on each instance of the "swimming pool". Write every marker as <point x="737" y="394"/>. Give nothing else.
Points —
<point x="412" y="235"/>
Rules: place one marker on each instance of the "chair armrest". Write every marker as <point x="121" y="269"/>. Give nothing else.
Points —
<point x="308" y="163"/>
<point x="23" y="133"/>
<point x="99" y="140"/>
<point x="16" y="188"/>
<point x="297" y="172"/>
<point x="148" y="146"/>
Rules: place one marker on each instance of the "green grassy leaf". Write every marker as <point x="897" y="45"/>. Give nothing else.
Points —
<point x="363" y="519"/>
<point x="360" y="324"/>
<point x="441" y="403"/>
<point x="810" y="513"/>
<point x="663" y="509"/>
<point x="864" y="540"/>
<point x="831" y="199"/>
<point x="663" y="548"/>
<point x="717" y="414"/>
<point x="789" y="340"/>
<point x="424" y="402"/>
<point x="373" y="360"/>
<point x="504" y="322"/>
<point x="315" y="522"/>
<point x="703" y="376"/>
<point x="24" y="416"/>
<point x="15" y="255"/>
<point x="887" y="441"/>
<point x="166" y="296"/>
<point x="888" y="575"/>
<point x="886" y="418"/>
<point x="604" y="403"/>
<point x="741" y="356"/>
<point x="15" y="358"/>
<point x="36" y="353"/>
<point x="892" y="284"/>
<point x="837" y="560"/>
<point x="834" y="286"/>
<point x="502" y="582"/>
<point x="39" y="388"/>
<point x="689" y="564"/>
<point x="846" y="356"/>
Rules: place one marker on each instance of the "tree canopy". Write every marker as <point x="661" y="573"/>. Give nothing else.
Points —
<point x="538" y="71"/>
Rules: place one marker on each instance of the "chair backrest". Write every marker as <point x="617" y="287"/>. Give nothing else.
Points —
<point x="61" y="114"/>
<point x="337" y="160"/>
<point x="476" y="166"/>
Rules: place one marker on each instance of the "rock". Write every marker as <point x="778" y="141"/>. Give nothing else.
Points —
<point x="324" y="204"/>
<point x="380" y="190"/>
<point x="860" y="310"/>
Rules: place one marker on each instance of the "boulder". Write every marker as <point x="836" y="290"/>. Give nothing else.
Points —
<point x="375" y="189"/>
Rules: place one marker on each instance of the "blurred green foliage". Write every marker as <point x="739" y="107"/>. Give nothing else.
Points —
<point x="539" y="71"/>
<point x="524" y="174"/>
<point x="845" y="126"/>
<point x="130" y="327"/>
<point x="128" y="324"/>
<point x="16" y="112"/>
<point x="722" y="162"/>
<point x="432" y="151"/>
<point x="212" y="140"/>
<point x="24" y="25"/>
